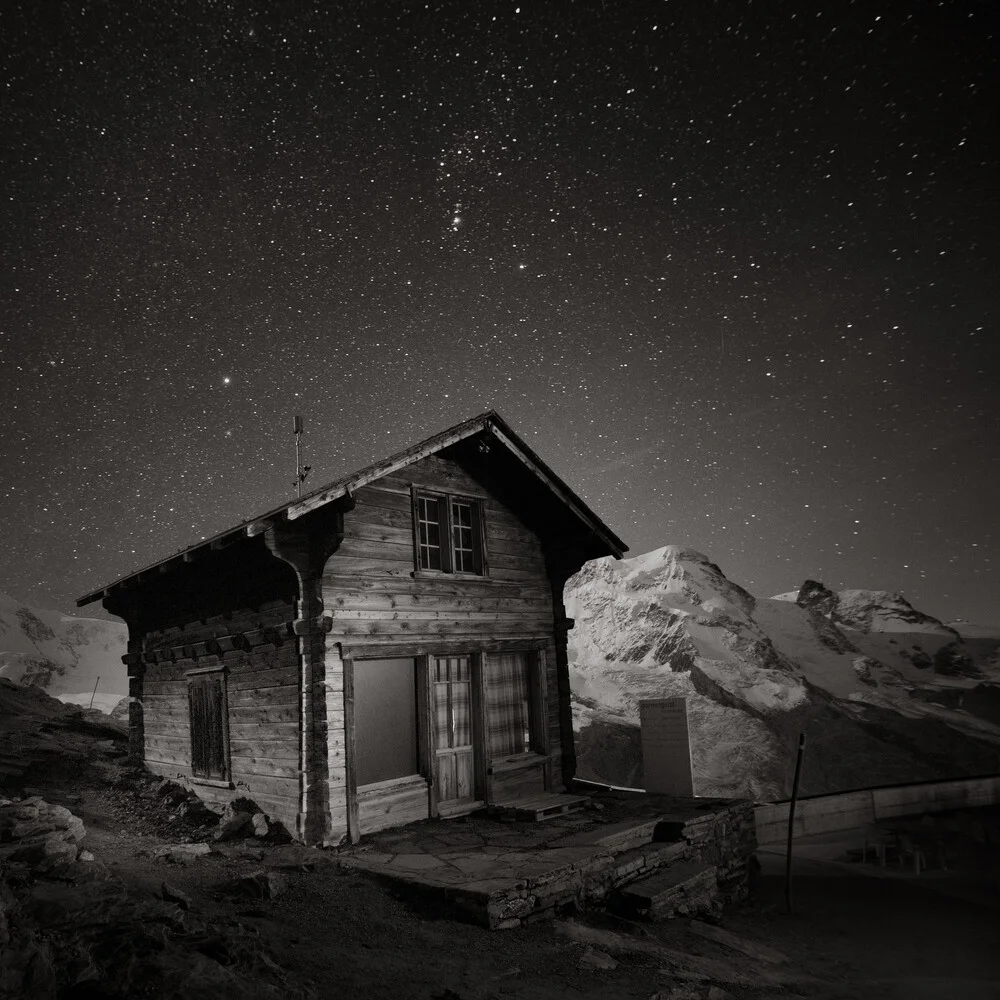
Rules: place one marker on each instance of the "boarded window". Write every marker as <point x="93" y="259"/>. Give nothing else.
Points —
<point x="508" y="703"/>
<point x="209" y="726"/>
<point x="385" y="719"/>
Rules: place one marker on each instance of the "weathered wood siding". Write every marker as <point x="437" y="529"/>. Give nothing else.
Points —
<point x="392" y="803"/>
<point x="376" y="598"/>
<point x="263" y="704"/>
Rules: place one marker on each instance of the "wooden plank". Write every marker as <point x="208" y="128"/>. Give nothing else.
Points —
<point x="434" y="480"/>
<point x="276" y="749"/>
<point x="245" y="762"/>
<point x="264" y="766"/>
<point x="501" y="530"/>
<point x="425" y="730"/>
<point x="465" y="773"/>
<point x="167" y="730"/>
<point x="158" y="754"/>
<point x="480" y="731"/>
<point x="334" y="580"/>
<point x="353" y="547"/>
<point x="362" y="530"/>
<point x="260" y="680"/>
<point x="375" y="496"/>
<point x="389" y="600"/>
<point x="169" y="766"/>
<point x="346" y="565"/>
<point x="531" y="563"/>
<point x="251" y="730"/>
<point x="419" y="646"/>
<point x="372" y="630"/>
<point x="153" y="689"/>
<point x="511" y="617"/>
<point x="504" y="547"/>
<point x="266" y="697"/>
<point x="256" y="784"/>
<point x="382" y="815"/>
<point x="174" y="716"/>
<point x="540" y="722"/>
<point x="265" y="714"/>
<point x="175" y="742"/>
<point x="351" y="746"/>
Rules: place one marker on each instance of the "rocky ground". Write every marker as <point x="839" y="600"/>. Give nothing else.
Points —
<point x="116" y="884"/>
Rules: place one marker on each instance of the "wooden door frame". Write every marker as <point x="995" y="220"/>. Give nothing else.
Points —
<point x="477" y="733"/>
<point x="421" y="653"/>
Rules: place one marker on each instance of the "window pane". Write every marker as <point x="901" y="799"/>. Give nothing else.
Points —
<point x="429" y="532"/>
<point x="442" y="728"/>
<point x="461" y="714"/>
<point x="385" y="719"/>
<point x="507" y="706"/>
<point x="462" y="537"/>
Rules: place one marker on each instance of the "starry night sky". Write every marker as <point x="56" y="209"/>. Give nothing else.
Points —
<point x="729" y="267"/>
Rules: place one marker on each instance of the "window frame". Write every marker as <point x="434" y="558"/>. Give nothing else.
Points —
<point x="446" y="532"/>
<point x="535" y="680"/>
<point x="201" y="677"/>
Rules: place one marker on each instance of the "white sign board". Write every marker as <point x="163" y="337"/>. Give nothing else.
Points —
<point x="666" y="750"/>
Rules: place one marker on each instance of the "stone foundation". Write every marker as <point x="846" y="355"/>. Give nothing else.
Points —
<point x="712" y="848"/>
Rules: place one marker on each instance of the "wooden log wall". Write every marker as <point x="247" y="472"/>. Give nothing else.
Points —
<point x="376" y="598"/>
<point x="392" y="803"/>
<point x="262" y="667"/>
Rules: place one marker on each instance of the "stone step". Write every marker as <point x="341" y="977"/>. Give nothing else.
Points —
<point x="685" y="888"/>
<point x="622" y="836"/>
<point x="637" y="862"/>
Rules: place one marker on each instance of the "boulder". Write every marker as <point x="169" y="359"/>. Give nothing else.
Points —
<point x="182" y="851"/>
<point x="237" y="819"/>
<point x="594" y="959"/>
<point x="258" y="886"/>
<point x="194" y="812"/>
<point x="238" y="825"/>
<point x="36" y="816"/>
<point x="171" y="894"/>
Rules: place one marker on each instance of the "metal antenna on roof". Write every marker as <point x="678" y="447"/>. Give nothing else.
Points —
<point x="301" y="471"/>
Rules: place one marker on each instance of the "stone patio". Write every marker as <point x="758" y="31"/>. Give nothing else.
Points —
<point x="505" y="873"/>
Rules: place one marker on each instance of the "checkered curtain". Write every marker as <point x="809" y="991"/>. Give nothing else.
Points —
<point x="507" y="703"/>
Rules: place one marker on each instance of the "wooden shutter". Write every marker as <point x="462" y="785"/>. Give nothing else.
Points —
<point x="209" y="731"/>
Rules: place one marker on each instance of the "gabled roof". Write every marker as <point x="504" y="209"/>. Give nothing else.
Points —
<point x="489" y="422"/>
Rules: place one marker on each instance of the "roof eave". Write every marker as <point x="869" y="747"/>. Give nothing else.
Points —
<point x="488" y="421"/>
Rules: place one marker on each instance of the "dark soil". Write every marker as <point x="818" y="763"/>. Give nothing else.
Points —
<point x="334" y="934"/>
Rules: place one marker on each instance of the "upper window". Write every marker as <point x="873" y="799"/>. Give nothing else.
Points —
<point x="449" y="534"/>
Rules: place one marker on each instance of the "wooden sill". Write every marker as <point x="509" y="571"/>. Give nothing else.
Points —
<point x="393" y="784"/>
<point x="440" y="574"/>
<point x="212" y="782"/>
<point x="521" y="761"/>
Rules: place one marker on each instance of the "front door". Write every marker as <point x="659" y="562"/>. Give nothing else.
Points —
<point x="451" y="677"/>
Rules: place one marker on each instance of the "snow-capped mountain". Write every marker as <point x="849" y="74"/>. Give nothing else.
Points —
<point x="63" y="655"/>
<point x="884" y="693"/>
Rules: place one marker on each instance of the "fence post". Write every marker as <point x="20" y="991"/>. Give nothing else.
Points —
<point x="791" y="822"/>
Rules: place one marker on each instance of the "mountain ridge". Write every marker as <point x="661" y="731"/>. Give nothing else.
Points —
<point x="63" y="655"/>
<point x="884" y="692"/>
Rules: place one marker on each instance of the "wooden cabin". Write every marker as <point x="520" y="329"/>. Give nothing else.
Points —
<point x="388" y="648"/>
